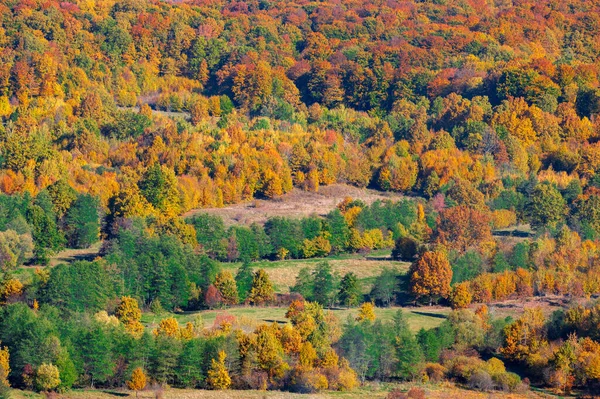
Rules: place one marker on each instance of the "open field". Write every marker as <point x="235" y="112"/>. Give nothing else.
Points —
<point x="247" y="316"/>
<point x="297" y="203"/>
<point x="283" y="273"/>
<point x="368" y="390"/>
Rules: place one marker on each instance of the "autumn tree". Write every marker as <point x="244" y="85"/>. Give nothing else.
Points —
<point x="47" y="377"/>
<point x="430" y="276"/>
<point x="218" y="376"/>
<point x="226" y="285"/>
<point x="461" y="227"/>
<point x="130" y="315"/>
<point x="4" y="366"/>
<point x="366" y="312"/>
<point x="461" y="297"/>
<point x="262" y="289"/>
<point x="137" y="381"/>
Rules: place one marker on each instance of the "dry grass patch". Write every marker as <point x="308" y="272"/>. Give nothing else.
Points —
<point x="297" y="203"/>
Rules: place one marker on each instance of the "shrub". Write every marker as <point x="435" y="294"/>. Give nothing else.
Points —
<point x="481" y="380"/>
<point x="435" y="372"/>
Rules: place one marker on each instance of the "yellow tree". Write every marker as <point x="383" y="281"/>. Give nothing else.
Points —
<point x="430" y="276"/>
<point x="366" y="312"/>
<point x="461" y="296"/>
<point x="168" y="327"/>
<point x="130" y="314"/>
<point x="4" y="366"/>
<point x="137" y="381"/>
<point x="225" y="283"/>
<point x="218" y="376"/>
<point x="262" y="290"/>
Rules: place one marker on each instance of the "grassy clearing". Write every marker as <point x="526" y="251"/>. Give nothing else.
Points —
<point x="424" y="317"/>
<point x="283" y="273"/>
<point x="297" y="203"/>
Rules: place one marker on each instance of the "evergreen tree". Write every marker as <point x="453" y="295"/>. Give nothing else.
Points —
<point x="82" y="223"/>
<point x="338" y="230"/>
<point x="408" y="356"/>
<point x="349" y="293"/>
<point x="304" y="284"/>
<point x="323" y="284"/>
<point x="243" y="281"/>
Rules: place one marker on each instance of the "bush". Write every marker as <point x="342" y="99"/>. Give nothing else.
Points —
<point x="435" y="372"/>
<point x="506" y="381"/>
<point x="481" y="380"/>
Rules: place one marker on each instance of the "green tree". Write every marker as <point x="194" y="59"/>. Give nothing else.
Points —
<point x="82" y="222"/>
<point x="350" y="292"/>
<point x="323" y="284"/>
<point x="546" y="207"/>
<point x="243" y="280"/>
<point x="46" y="236"/>
<point x="159" y="186"/>
<point x="385" y="286"/>
<point x="210" y="234"/>
<point x="339" y="232"/>
<point x="62" y="196"/>
<point x="304" y="284"/>
<point x="408" y="356"/>
<point x="466" y="266"/>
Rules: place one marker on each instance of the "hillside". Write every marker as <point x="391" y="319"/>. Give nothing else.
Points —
<point x="284" y="198"/>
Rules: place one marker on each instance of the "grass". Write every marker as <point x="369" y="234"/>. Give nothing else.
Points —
<point x="283" y="273"/>
<point x="370" y="390"/>
<point x="250" y="317"/>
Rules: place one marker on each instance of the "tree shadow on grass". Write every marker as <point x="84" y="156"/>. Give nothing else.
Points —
<point x="429" y="314"/>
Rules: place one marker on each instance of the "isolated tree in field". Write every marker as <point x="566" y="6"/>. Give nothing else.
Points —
<point x="262" y="290"/>
<point x="546" y="207"/>
<point x="349" y="293"/>
<point x="82" y="223"/>
<point x="47" y="377"/>
<point x="324" y="284"/>
<point x="430" y="276"/>
<point x="137" y="381"/>
<point x="218" y="376"/>
<point x="384" y="287"/>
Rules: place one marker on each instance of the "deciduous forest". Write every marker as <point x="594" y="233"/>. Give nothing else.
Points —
<point x="467" y="261"/>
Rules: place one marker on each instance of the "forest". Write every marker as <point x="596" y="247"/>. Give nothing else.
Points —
<point x="127" y="126"/>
